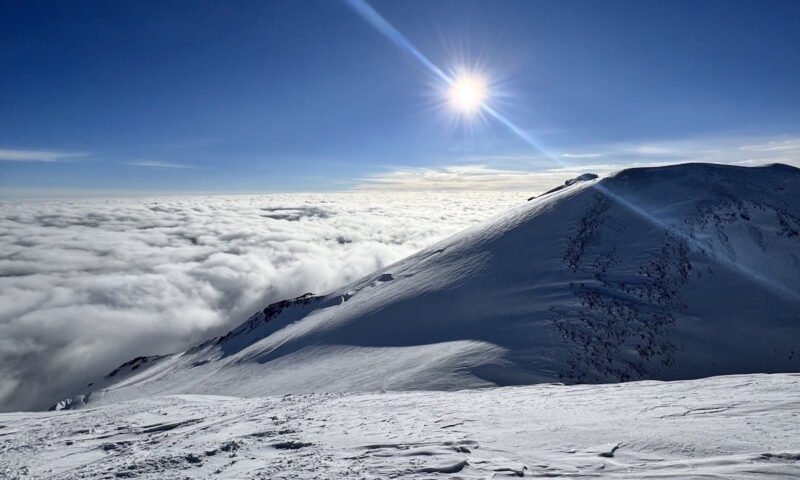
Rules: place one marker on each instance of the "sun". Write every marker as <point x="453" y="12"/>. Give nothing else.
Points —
<point x="467" y="93"/>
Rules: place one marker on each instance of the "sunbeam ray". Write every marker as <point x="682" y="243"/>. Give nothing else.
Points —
<point x="387" y="29"/>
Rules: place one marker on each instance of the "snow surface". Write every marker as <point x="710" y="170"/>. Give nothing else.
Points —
<point x="665" y="273"/>
<point x="731" y="427"/>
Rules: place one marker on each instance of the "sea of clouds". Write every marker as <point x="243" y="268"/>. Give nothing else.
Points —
<point x="87" y="284"/>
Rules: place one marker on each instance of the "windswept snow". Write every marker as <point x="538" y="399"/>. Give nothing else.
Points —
<point x="733" y="427"/>
<point x="659" y="273"/>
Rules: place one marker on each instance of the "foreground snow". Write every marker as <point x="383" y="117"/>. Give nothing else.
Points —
<point x="724" y="427"/>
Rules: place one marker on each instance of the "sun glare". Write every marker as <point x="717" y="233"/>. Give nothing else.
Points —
<point x="467" y="93"/>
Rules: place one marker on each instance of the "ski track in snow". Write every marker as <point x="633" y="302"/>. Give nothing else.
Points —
<point x="741" y="426"/>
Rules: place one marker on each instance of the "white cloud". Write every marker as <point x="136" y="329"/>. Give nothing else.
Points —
<point x="581" y="155"/>
<point x="733" y="150"/>
<point x="469" y="178"/>
<point x="792" y="145"/>
<point x="87" y="284"/>
<point x="535" y="174"/>
<point x="36" y="155"/>
<point x="158" y="164"/>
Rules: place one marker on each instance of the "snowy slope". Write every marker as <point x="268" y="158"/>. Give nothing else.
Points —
<point x="655" y="273"/>
<point x="734" y="427"/>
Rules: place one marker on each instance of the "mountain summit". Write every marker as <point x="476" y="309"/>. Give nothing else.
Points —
<point x="651" y="273"/>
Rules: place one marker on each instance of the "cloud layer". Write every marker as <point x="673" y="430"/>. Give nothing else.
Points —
<point x="10" y="155"/>
<point x="538" y="172"/>
<point x="87" y="284"/>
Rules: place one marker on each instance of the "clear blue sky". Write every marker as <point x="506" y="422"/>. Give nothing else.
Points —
<point x="307" y="95"/>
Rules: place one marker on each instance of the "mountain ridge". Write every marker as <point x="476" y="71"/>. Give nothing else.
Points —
<point x="650" y="273"/>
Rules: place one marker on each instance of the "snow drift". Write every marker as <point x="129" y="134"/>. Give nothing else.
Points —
<point x="732" y="427"/>
<point x="654" y="273"/>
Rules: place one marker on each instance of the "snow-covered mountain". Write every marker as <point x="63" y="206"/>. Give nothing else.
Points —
<point x="672" y="272"/>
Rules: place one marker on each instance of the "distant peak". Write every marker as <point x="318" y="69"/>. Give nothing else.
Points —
<point x="580" y="178"/>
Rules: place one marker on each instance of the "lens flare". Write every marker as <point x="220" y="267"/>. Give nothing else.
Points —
<point x="467" y="93"/>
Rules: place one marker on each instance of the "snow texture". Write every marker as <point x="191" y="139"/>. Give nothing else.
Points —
<point x="733" y="427"/>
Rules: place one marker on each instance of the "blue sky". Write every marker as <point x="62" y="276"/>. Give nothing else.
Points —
<point x="228" y="96"/>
